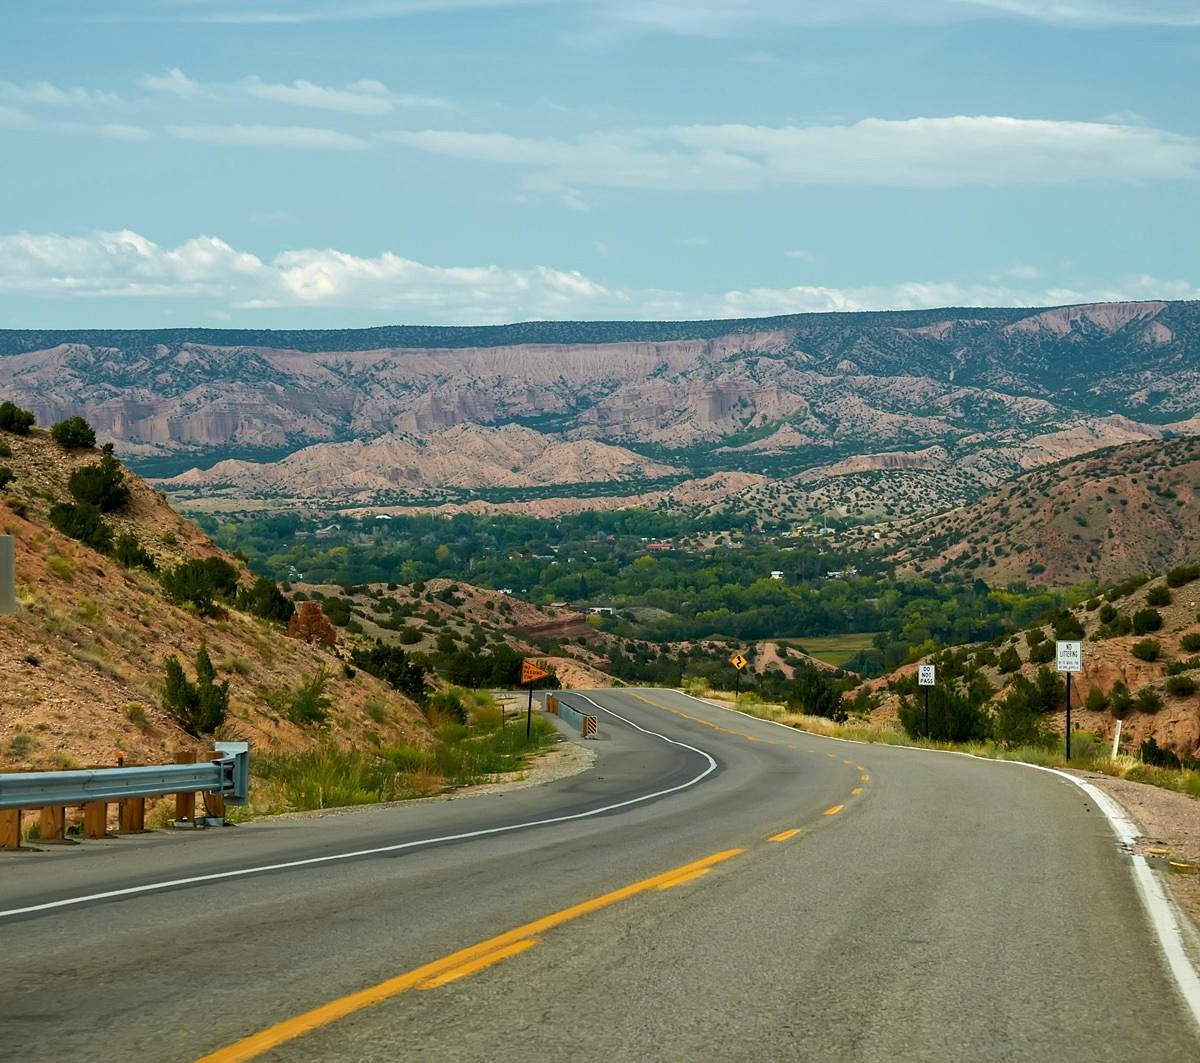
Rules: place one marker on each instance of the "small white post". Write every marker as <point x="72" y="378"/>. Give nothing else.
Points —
<point x="8" y="576"/>
<point x="1117" y="740"/>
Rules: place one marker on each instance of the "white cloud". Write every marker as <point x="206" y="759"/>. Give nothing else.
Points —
<point x="118" y="131"/>
<point x="799" y="255"/>
<point x="915" y="152"/>
<point x="127" y="265"/>
<point x="42" y="93"/>
<point x="13" y="117"/>
<point x="269" y="136"/>
<point x="175" y="82"/>
<point x="307" y="94"/>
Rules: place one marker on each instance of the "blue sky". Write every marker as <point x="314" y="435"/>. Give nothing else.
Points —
<point x="336" y="164"/>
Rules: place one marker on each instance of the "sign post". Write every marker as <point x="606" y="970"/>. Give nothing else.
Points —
<point x="739" y="662"/>
<point x="1068" y="659"/>
<point x="926" y="677"/>
<point x="530" y="673"/>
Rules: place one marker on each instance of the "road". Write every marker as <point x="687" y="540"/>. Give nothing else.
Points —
<point x="713" y="887"/>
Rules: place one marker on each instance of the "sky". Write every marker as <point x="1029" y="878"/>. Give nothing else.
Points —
<point x="346" y="163"/>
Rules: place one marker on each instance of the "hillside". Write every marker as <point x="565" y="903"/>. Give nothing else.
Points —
<point x="83" y="662"/>
<point x="1163" y="693"/>
<point x="1111" y="514"/>
<point x="952" y="397"/>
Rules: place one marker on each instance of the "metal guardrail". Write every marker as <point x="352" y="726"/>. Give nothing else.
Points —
<point x="587" y="724"/>
<point x="228" y="776"/>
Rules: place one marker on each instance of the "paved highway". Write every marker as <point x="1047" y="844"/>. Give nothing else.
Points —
<point x="714" y="887"/>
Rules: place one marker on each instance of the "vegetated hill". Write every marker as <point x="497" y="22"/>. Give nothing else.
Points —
<point x="1141" y="662"/>
<point x="1107" y="515"/>
<point x="466" y="456"/>
<point x="996" y="390"/>
<point x="83" y="662"/>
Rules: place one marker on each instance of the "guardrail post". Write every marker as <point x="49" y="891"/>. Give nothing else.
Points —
<point x="132" y="815"/>
<point x="95" y="819"/>
<point x="52" y="824"/>
<point x="185" y="804"/>
<point x="10" y="829"/>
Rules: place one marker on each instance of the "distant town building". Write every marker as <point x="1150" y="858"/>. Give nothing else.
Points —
<point x="776" y="573"/>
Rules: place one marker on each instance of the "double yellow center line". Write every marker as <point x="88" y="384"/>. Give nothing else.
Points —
<point x="457" y="965"/>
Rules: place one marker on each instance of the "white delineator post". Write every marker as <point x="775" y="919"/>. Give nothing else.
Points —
<point x="8" y="576"/>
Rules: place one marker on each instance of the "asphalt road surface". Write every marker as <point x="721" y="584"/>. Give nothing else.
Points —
<point x="714" y="887"/>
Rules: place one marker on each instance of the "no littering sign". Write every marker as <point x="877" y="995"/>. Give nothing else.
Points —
<point x="1069" y="657"/>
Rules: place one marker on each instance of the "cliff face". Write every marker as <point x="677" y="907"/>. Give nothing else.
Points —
<point x="997" y="389"/>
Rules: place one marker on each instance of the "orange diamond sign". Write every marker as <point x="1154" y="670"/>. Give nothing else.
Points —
<point x="531" y="673"/>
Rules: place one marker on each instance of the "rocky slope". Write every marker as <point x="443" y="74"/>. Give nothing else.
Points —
<point x="997" y="390"/>
<point x="82" y="663"/>
<point x="1107" y="515"/>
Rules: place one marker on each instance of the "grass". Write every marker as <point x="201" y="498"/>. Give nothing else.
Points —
<point x="833" y="649"/>
<point x="331" y="777"/>
<point x="1088" y="751"/>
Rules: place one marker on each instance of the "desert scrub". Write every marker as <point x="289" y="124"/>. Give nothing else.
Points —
<point x="331" y="777"/>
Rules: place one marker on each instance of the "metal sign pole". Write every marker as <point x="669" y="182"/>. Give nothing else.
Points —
<point x="1068" y="716"/>
<point x="927" y="712"/>
<point x="529" y="715"/>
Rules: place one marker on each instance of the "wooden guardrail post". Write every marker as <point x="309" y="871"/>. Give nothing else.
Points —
<point x="52" y="824"/>
<point x="185" y="804"/>
<point x="131" y="816"/>
<point x="95" y="819"/>
<point x="10" y="828"/>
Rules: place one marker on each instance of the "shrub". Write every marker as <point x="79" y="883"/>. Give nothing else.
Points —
<point x="1146" y="650"/>
<point x="200" y="583"/>
<point x="394" y="667"/>
<point x="1148" y="700"/>
<point x="1097" y="700"/>
<point x="101" y="484"/>
<point x="338" y="610"/>
<point x="14" y="419"/>
<point x="1010" y="660"/>
<point x="82" y="522"/>
<point x="1120" y="701"/>
<point x="377" y="710"/>
<point x="5" y="450"/>
<point x="6" y="476"/>
<point x="1106" y="614"/>
<point x="1158" y="595"/>
<point x="73" y="433"/>
<point x="1146" y="620"/>
<point x="199" y="707"/>
<point x="1067" y="627"/>
<point x="266" y="600"/>
<point x="446" y="706"/>
<point x="1183" y="574"/>
<point x="129" y="552"/>
<point x="308" y="704"/>
<point x="1150" y="752"/>
<point x="1181" y="686"/>
<point x="309" y="623"/>
<point x="1034" y="636"/>
<point x="409" y="635"/>
<point x="1190" y="642"/>
<point x="1043" y="653"/>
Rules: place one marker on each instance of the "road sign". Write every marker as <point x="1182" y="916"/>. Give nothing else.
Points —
<point x="738" y="661"/>
<point x="531" y="673"/>
<point x="926" y="675"/>
<point x="1069" y="657"/>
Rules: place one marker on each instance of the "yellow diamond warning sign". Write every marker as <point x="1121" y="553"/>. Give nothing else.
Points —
<point x="531" y="673"/>
<point x="738" y="661"/>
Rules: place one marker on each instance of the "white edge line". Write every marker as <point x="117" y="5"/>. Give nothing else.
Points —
<point x="151" y="887"/>
<point x="1153" y="895"/>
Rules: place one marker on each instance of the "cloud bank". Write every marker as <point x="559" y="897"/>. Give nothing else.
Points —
<point x="209" y="271"/>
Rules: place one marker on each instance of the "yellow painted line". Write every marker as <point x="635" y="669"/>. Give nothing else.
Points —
<point x="831" y="756"/>
<point x="492" y="949"/>
<point x="834" y="811"/>
<point x="851" y="763"/>
<point x="856" y="791"/>
<point x="864" y="778"/>
<point x="783" y="835"/>
<point x="679" y="880"/>
<point x="703" y="723"/>
<point x="454" y="975"/>
<point x="860" y="767"/>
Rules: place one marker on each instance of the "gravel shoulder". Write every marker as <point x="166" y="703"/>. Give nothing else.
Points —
<point x="1170" y="825"/>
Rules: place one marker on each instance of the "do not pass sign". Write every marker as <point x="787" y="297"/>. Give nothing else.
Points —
<point x="926" y="675"/>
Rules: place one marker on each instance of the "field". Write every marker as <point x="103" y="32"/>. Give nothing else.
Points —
<point x="833" y="649"/>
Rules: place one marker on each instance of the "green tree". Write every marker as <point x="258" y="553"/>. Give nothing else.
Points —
<point x="266" y="600"/>
<point x="6" y="476"/>
<point x="129" y="552"/>
<point x="199" y="707"/>
<point x="1146" y="620"/>
<point x="73" y="433"/>
<point x="82" y="522"/>
<point x="101" y="484"/>
<point x="14" y="419"/>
